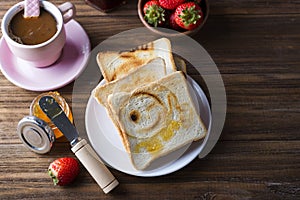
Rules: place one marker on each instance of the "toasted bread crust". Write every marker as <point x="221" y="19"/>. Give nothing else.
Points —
<point x="115" y="65"/>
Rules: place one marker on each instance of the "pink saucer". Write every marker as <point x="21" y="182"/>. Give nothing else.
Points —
<point x="69" y="66"/>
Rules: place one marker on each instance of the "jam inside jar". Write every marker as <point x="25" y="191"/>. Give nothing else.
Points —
<point x="36" y="111"/>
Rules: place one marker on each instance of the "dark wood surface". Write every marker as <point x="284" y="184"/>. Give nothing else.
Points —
<point x="256" y="46"/>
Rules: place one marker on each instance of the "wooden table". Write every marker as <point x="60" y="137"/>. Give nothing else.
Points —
<point x="256" y="46"/>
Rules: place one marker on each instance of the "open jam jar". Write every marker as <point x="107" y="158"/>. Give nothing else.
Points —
<point x="36" y="111"/>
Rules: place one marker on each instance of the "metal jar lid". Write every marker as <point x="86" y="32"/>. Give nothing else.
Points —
<point x="36" y="134"/>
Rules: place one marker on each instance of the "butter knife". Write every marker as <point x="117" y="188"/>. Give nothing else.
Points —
<point x="80" y="147"/>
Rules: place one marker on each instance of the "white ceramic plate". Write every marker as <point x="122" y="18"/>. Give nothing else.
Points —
<point x="106" y="141"/>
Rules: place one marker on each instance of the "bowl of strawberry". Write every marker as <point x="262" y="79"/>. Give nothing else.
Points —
<point x="183" y="16"/>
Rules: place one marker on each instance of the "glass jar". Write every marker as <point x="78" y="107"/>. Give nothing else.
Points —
<point x="36" y="111"/>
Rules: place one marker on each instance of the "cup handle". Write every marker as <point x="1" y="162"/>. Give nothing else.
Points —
<point x="68" y="11"/>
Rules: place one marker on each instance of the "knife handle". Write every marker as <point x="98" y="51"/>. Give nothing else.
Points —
<point x="95" y="166"/>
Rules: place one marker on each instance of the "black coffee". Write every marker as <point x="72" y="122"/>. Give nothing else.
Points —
<point x="33" y="30"/>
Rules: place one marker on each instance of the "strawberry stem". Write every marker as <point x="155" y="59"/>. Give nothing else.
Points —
<point x="54" y="178"/>
<point x="155" y="15"/>
<point x="190" y="15"/>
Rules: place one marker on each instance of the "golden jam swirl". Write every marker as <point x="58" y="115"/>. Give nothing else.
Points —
<point x="156" y="143"/>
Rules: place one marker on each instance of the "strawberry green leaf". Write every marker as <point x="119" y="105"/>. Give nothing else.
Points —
<point x="54" y="178"/>
<point x="190" y="15"/>
<point x="155" y="15"/>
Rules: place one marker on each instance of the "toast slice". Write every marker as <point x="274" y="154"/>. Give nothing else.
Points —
<point x="152" y="71"/>
<point x="114" y="65"/>
<point x="156" y="119"/>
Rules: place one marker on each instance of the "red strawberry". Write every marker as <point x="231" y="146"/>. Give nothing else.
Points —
<point x="188" y="15"/>
<point x="170" y="4"/>
<point x="149" y="4"/>
<point x="154" y="13"/>
<point x="63" y="170"/>
<point x="173" y="23"/>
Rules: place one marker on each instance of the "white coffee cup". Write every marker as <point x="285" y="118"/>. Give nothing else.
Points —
<point x="46" y="53"/>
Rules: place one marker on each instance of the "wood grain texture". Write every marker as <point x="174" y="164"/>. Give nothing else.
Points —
<point x="256" y="46"/>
